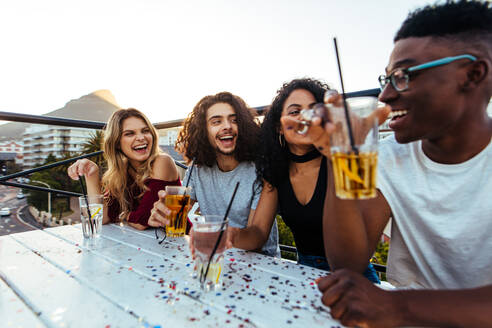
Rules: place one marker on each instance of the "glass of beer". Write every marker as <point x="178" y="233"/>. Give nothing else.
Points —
<point x="177" y="200"/>
<point x="91" y="218"/>
<point x="355" y="161"/>
<point x="208" y="264"/>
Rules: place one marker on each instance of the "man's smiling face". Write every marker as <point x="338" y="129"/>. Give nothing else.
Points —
<point x="431" y="107"/>
<point x="222" y="128"/>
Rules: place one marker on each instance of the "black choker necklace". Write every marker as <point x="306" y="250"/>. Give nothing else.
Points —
<point x="306" y="157"/>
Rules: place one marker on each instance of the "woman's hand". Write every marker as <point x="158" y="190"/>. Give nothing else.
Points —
<point x="83" y="167"/>
<point x="160" y="212"/>
<point x="319" y="132"/>
<point x="90" y="170"/>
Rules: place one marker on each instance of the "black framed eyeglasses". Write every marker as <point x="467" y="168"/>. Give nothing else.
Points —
<point x="400" y="77"/>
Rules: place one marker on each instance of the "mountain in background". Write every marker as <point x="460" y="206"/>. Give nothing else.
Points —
<point x="96" y="106"/>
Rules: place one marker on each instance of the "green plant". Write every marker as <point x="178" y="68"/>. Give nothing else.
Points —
<point x="381" y="254"/>
<point x="56" y="178"/>
<point x="93" y="144"/>
<point x="285" y="237"/>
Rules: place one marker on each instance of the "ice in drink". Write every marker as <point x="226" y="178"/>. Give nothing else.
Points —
<point x="177" y="200"/>
<point x="205" y="237"/>
<point x="91" y="219"/>
<point x="355" y="174"/>
<point x="179" y="205"/>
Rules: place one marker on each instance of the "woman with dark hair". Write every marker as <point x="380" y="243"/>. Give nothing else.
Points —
<point x="294" y="176"/>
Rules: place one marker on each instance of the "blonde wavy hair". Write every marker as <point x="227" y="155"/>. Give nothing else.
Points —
<point x="115" y="179"/>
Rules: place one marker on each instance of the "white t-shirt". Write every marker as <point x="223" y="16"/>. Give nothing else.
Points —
<point x="441" y="235"/>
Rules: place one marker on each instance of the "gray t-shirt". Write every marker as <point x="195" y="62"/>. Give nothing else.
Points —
<point x="213" y="190"/>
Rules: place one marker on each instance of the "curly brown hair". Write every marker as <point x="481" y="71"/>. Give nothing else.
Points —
<point x="272" y="163"/>
<point x="193" y="141"/>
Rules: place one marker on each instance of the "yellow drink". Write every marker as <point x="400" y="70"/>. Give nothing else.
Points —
<point x="213" y="274"/>
<point x="178" y="204"/>
<point x="355" y="175"/>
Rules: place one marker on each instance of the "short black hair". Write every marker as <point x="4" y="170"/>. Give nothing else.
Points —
<point x="463" y="20"/>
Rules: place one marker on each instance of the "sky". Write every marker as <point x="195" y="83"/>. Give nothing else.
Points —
<point x="163" y="56"/>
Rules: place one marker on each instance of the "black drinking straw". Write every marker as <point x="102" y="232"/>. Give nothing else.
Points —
<point x="347" y="116"/>
<point x="203" y="277"/>
<point x="191" y="172"/>
<point x="84" y="192"/>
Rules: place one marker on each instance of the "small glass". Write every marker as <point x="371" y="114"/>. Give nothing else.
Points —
<point x="206" y="231"/>
<point x="91" y="223"/>
<point x="177" y="200"/>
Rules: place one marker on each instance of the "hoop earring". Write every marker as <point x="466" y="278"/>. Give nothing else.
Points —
<point x="281" y="140"/>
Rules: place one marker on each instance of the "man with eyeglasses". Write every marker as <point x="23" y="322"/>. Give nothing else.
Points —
<point x="434" y="180"/>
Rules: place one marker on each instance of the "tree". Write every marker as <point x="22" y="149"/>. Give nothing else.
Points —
<point x="12" y="167"/>
<point x="285" y="237"/>
<point x="56" y="178"/>
<point x="93" y="144"/>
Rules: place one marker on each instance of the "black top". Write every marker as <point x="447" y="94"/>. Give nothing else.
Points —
<point x="305" y="221"/>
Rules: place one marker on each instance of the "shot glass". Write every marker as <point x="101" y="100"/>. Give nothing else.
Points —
<point x="354" y="150"/>
<point x="91" y="218"/>
<point x="206" y="232"/>
<point x="177" y="200"/>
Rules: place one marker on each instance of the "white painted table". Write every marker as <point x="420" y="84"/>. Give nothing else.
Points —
<point x="54" y="278"/>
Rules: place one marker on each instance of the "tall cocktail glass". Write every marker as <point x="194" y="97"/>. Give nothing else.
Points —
<point x="206" y="231"/>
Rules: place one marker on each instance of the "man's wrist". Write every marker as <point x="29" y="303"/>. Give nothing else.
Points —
<point x="399" y="308"/>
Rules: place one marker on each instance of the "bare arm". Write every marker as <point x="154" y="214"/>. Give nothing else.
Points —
<point x="164" y="168"/>
<point x="351" y="228"/>
<point x="357" y="302"/>
<point x="90" y="170"/>
<point x="260" y="222"/>
<point x="450" y="308"/>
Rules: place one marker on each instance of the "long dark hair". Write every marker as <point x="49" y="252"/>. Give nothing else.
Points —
<point x="193" y="140"/>
<point x="272" y="163"/>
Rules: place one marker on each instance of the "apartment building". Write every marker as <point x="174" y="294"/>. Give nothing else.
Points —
<point x="42" y="140"/>
<point x="168" y="137"/>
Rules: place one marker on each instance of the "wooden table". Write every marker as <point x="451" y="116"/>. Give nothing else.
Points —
<point x="55" y="278"/>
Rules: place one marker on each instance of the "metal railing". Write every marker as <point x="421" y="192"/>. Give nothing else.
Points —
<point x="3" y="180"/>
<point x="59" y="121"/>
<point x="291" y="249"/>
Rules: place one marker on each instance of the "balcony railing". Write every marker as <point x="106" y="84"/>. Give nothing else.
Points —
<point x="65" y="133"/>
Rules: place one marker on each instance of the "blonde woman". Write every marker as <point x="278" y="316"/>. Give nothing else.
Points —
<point x="137" y="170"/>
